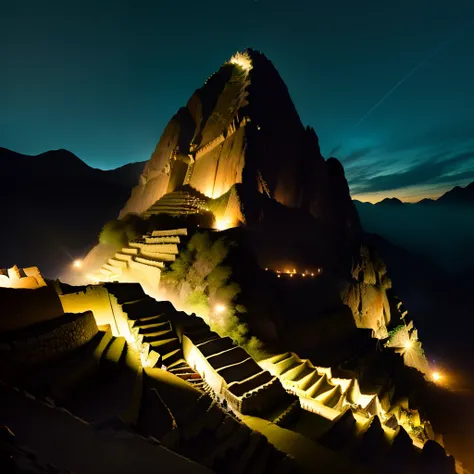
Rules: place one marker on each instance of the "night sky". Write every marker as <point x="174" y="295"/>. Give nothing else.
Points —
<point x="102" y="78"/>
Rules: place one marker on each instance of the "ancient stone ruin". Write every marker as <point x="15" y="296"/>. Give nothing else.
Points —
<point x="110" y="377"/>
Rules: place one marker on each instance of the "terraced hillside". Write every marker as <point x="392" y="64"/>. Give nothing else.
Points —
<point x="96" y="409"/>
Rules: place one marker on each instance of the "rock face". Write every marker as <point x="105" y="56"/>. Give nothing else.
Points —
<point x="366" y="293"/>
<point x="242" y="127"/>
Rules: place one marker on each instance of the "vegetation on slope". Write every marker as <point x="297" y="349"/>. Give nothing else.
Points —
<point x="202" y="281"/>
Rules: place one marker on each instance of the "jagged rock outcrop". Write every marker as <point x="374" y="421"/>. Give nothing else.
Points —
<point x="366" y="294"/>
<point x="242" y="127"/>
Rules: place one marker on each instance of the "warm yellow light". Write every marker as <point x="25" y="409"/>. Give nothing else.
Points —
<point x="408" y="344"/>
<point x="219" y="308"/>
<point x="223" y="224"/>
<point x="294" y="270"/>
<point x="437" y="376"/>
<point x="77" y="264"/>
<point x="303" y="274"/>
<point x="312" y="274"/>
<point x="242" y="60"/>
<point x="291" y="275"/>
<point x="266" y="269"/>
<point x="279" y="276"/>
<point x="288" y="271"/>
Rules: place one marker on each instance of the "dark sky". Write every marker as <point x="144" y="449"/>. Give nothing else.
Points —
<point x="102" y="78"/>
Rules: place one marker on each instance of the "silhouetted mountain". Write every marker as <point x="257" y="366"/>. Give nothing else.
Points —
<point x="390" y="202"/>
<point x="427" y="202"/>
<point x="459" y="196"/>
<point x="440" y="230"/>
<point x="65" y="165"/>
<point x="54" y="206"/>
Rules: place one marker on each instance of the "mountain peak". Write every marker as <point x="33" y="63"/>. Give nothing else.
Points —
<point x="240" y="127"/>
<point x="459" y="195"/>
<point x="390" y="202"/>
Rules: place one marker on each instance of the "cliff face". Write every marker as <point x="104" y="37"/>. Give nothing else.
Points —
<point x="242" y="127"/>
<point x="366" y="293"/>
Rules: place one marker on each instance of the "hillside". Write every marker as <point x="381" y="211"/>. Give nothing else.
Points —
<point x="54" y="206"/>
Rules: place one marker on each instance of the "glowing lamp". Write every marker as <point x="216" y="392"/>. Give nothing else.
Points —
<point x="223" y="224"/>
<point x="219" y="308"/>
<point x="77" y="264"/>
<point x="436" y="376"/>
<point x="408" y="344"/>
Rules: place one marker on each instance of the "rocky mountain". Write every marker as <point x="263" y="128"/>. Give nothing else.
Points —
<point x="241" y="127"/>
<point x="54" y="205"/>
<point x="251" y="195"/>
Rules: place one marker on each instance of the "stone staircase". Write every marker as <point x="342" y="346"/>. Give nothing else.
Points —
<point x="100" y="390"/>
<point x="74" y="400"/>
<point x="181" y="202"/>
<point x="185" y="372"/>
<point x="366" y="427"/>
<point x="143" y="259"/>
<point x="153" y="332"/>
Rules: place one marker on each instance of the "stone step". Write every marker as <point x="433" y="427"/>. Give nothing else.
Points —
<point x="113" y="353"/>
<point x="146" y="308"/>
<point x="72" y="445"/>
<point x="149" y="321"/>
<point x="191" y="376"/>
<point x="171" y="357"/>
<point x="108" y="398"/>
<point x="155" y="329"/>
<point x="113" y="270"/>
<point x="158" y="335"/>
<point x="179" y="364"/>
<point x="60" y="377"/>
<point x="181" y="370"/>
<point x="164" y="346"/>
<point x="154" y="359"/>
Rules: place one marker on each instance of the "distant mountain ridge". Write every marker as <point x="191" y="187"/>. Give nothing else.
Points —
<point x="440" y="230"/>
<point x="54" y="206"/>
<point x="65" y="164"/>
<point x="458" y="195"/>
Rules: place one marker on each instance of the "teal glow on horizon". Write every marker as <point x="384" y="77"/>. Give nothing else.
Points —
<point x="102" y="80"/>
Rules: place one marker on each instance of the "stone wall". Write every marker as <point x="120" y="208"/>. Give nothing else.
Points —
<point x="198" y="362"/>
<point x="104" y="306"/>
<point x="29" y="277"/>
<point x="93" y="298"/>
<point x="23" y="307"/>
<point x="34" y="345"/>
<point x="256" y="400"/>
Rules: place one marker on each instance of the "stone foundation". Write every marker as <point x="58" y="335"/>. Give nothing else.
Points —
<point x="35" y="345"/>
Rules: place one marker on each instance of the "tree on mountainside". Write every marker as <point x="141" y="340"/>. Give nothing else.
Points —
<point x="202" y="282"/>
